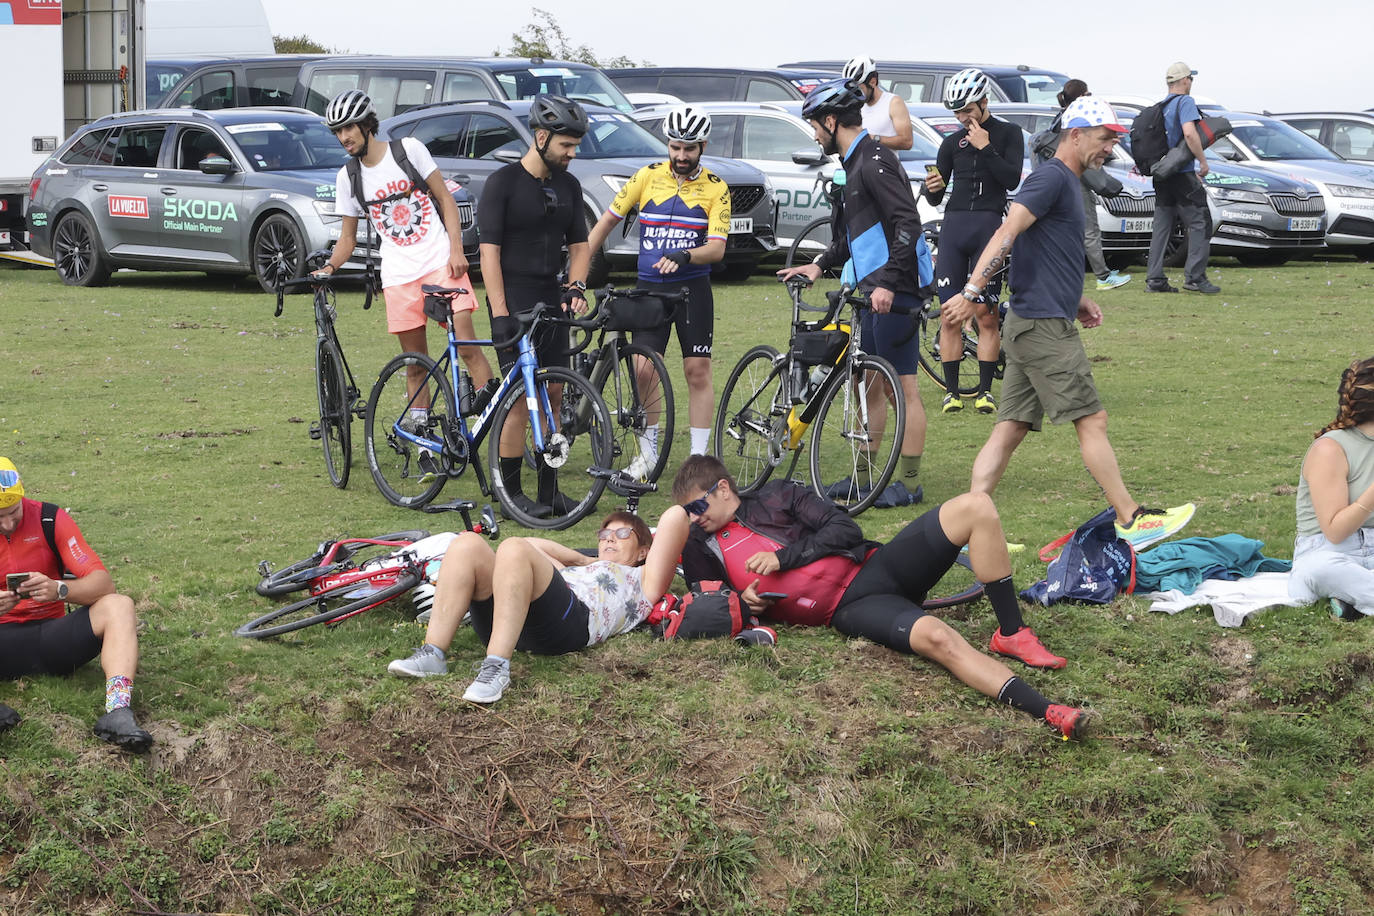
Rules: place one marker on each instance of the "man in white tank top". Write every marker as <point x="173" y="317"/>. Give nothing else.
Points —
<point x="885" y="115"/>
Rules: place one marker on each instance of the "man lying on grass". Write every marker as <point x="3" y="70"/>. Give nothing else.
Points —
<point x="798" y="559"/>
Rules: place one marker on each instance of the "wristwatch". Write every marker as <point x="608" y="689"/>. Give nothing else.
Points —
<point x="62" y="591"/>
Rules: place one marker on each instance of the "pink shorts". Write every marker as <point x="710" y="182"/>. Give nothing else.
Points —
<point x="405" y="303"/>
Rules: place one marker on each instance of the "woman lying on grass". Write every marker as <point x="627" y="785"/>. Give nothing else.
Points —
<point x="540" y="596"/>
<point x="1333" y="556"/>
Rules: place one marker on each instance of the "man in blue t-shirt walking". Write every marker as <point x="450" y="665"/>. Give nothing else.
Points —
<point x="1181" y="195"/>
<point x="1047" y="368"/>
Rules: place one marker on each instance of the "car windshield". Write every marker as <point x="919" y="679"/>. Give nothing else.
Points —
<point x="1271" y="140"/>
<point x="279" y="146"/>
<point x="921" y="148"/>
<point x="583" y="84"/>
<point x="614" y="135"/>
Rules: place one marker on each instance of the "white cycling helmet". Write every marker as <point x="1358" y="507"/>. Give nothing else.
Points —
<point x="422" y="596"/>
<point x="687" y="124"/>
<point x="965" y="87"/>
<point x="859" y="69"/>
<point x="348" y="107"/>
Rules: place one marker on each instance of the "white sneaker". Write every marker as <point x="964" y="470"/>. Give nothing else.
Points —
<point x="426" y="662"/>
<point x="639" y="468"/>
<point x="492" y="680"/>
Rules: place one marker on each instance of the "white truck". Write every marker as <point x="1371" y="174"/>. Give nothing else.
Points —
<point x="67" y="62"/>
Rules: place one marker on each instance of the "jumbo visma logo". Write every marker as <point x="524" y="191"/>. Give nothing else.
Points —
<point x="187" y="214"/>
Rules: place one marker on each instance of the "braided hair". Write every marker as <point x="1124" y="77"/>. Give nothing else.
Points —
<point x="1355" y="401"/>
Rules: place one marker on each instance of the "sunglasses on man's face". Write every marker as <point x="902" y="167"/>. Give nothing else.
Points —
<point x="700" y="505"/>
<point x="620" y="534"/>
<point x="550" y="201"/>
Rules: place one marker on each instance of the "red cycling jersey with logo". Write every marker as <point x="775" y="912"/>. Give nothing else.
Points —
<point x="26" y="551"/>
<point x="813" y="591"/>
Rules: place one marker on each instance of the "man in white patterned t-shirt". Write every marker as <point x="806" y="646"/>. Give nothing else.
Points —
<point x="419" y="230"/>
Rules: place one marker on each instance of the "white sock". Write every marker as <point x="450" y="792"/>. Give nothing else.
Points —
<point x="419" y="413"/>
<point x="701" y="437"/>
<point x="503" y="663"/>
<point x="648" y="444"/>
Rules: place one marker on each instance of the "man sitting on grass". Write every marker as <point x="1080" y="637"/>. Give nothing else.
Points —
<point x="797" y="558"/>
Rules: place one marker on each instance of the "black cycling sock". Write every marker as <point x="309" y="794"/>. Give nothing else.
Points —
<point x="510" y="474"/>
<point x="987" y="371"/>
<point x="1023" y="696"/>
<point x="548" y="484"/>
<point x="951" y="376"/>
<point x="1002" y="596"/>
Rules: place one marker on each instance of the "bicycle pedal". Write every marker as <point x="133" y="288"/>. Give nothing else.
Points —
<point x="315" y="433"/>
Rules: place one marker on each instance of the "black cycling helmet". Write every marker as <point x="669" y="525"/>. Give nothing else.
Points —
<point x="831" y="98"/>
<point x="349" y="107"/>
<point x="558" y="115"/>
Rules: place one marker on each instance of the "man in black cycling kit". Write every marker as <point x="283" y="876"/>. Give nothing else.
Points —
<point x="980" y="163"/>
<point x="878" y="227"/>
<point x="797" y="559"/>
<point x="527" y="212"/>
<point x="684" y="221"/>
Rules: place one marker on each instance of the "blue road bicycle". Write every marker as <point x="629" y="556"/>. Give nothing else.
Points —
<point x="418" y="433"/>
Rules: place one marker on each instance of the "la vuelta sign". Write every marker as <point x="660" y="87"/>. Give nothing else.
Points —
<point x="31" y="12"/>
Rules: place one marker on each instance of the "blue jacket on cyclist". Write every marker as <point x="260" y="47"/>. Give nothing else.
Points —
<point x="875" y="223"/>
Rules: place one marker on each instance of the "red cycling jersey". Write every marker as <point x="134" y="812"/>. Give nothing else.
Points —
<point x="26" y="551"/>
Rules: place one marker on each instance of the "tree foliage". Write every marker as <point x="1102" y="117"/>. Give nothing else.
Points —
<point x="299" y="44"/>
<point x="544" y="37"/>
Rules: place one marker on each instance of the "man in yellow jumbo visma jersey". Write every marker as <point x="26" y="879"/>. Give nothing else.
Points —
<point x="684" y="219"/>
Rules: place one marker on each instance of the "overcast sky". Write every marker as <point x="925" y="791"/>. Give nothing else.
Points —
<point x="1282" y="56"/>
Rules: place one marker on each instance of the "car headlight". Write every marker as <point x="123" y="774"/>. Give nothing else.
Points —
<point x="325" y="208"/>
<point x="1236" y="195"/>
<point x="1349" y="190"/>
<point x="615" y="182"/>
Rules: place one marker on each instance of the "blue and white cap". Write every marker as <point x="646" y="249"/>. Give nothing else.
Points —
<point x="1087" y="111"/>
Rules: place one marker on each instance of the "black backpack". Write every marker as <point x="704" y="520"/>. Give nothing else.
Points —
<point x="48" y="518"/>
<point x="1149" y="140"/>
<point x="354" y="168"/>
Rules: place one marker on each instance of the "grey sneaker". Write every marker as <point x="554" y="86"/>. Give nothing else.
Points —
<point x="119" y="728"/>
<point x="492" y="680"/>
<point x="1206" y="287"/>
<point x="427" y="661"/>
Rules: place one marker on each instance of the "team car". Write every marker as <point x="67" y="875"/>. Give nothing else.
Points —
<point x="239" y="191"/>
<point x="471" y="140"/>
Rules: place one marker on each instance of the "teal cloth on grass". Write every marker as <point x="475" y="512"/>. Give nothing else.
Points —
<point x="1184" y="563"/>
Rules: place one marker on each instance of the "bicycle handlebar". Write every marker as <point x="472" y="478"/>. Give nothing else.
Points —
<point x="673" y="299"/>
<point x="542" y="311"/>
<point x="316" y="281"/>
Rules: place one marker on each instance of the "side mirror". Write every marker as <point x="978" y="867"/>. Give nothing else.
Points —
<point x="808" y="156"/>
<point x="215" y="164"/>
<point x="507" y="155"/>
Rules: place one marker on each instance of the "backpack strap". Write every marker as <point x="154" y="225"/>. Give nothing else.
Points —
<point x="354" y="170"/>
<point x="48" y="517"/>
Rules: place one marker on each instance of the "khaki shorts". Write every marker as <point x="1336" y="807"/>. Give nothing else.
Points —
<point x="405" y="302"/>
<point x="1047" y="372"/>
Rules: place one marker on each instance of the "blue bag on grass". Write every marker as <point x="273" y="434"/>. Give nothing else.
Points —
<point x="1094" y="566"/>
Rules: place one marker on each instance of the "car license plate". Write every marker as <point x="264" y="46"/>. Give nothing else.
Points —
<point x="1304" y="223"/>
<point x="741" y="224"/>
<point x="1140" y="224"/>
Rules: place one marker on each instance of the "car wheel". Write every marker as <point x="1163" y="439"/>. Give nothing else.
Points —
<point x="76" y="252"/>
<point x="277" y="245"/>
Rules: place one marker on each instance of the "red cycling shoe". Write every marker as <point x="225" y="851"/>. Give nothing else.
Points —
<point x="1070" y="721"/>
<point x="1025" y="646"/>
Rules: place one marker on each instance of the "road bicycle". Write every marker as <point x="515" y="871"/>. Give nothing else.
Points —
<point x="340" y="399"/>
<point x="928" y="352"/>
<point x="632" y="378"/>
<point x="853" y="399"/>
<point x="417" y="433"/>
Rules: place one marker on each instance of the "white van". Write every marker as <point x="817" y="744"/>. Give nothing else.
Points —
<point x="211" y="28"/>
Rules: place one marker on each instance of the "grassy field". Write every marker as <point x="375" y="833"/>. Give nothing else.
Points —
<point x="1232" y="771"/>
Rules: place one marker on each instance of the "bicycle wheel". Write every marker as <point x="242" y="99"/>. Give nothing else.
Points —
<point x="577" y="437"/>
<point x="394" y="460"/>
<point x="811" y="241"/>
<point x="326" y="606"/>
<point x="928" y="354"/>
<point x="751" y="421"/>
<point x="970" y="589"/>
<point x="857" y="435"/>
<point x="336" y="420"/>
<point x="300" y="574"/>
<point x="633" y="406"/>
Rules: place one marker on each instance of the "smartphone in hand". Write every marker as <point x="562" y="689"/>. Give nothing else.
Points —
<point x="773" y="596"/>
<point x="14" y="580"/>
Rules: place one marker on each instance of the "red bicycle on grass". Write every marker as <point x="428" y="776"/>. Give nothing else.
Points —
<point x="348" y="576"/>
